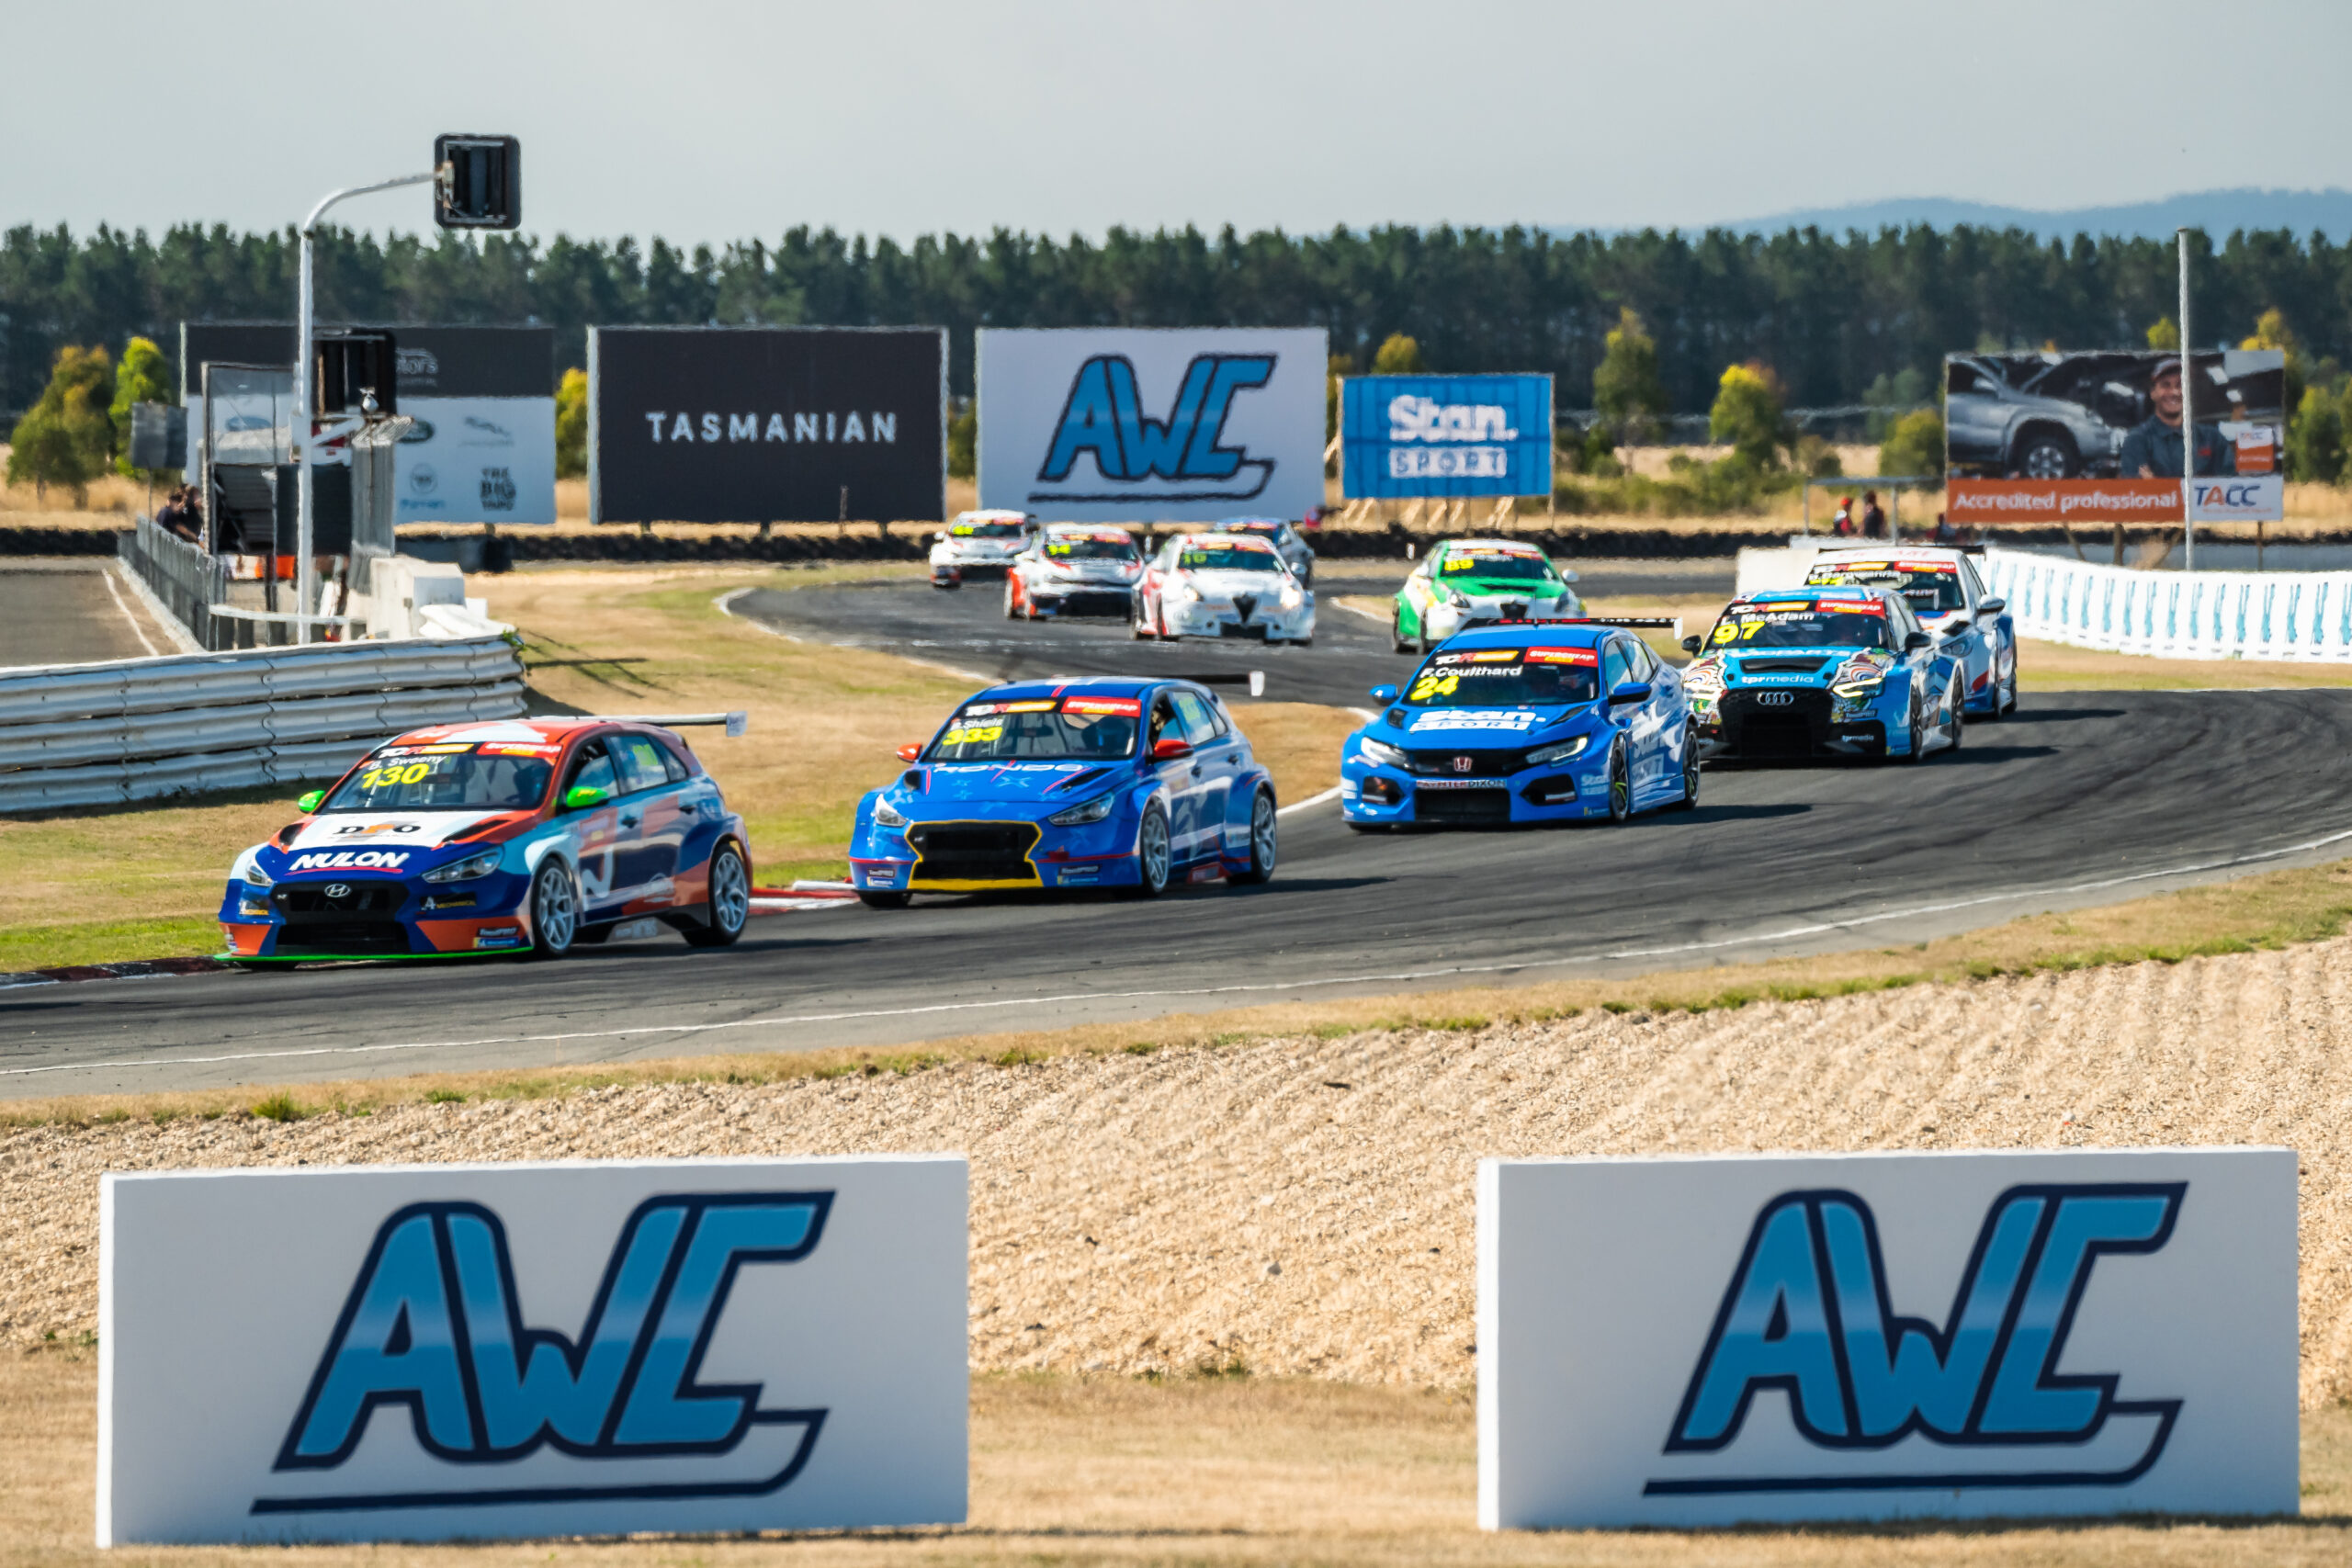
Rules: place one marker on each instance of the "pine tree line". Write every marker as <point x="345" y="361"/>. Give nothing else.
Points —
<point x="1830" y="314"/>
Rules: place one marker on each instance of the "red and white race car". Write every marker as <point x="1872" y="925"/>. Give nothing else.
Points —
<point x="1074" y="569"/>
<point x="1223" y="585"/>
<point x="978" y="544"/>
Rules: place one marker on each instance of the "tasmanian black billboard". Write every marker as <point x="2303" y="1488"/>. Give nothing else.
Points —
<point x="766" y="424"/>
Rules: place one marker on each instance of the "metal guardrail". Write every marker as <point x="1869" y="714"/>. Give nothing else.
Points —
<point x="182" y="576"/>
<point x="148" y="729"/>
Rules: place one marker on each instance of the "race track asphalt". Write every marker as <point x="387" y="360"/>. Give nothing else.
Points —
<point x="2079" y="799"/>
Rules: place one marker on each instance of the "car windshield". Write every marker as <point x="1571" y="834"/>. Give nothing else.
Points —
<point x="1801" y="623"/>
<point x="1507" y="677"/>
<point x="1222" y="556"/>
<point x="986" y="530"/>
<point x="1091" y="546"/>
<point x="1930" y="587"/>
<point x="1078" y="729"/>
<point x="1264" y="530"/>
<point x="455" y="777"/>
<point x="1513" y="566"/>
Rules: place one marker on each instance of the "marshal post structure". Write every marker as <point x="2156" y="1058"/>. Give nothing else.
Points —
<point x="766" y="424"/>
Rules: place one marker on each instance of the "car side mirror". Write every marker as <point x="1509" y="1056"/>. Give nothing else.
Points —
<point x="1916" y="640"/>
<point x="1631" y="692"/>
<point x="911" y="752"/>
<point x="1693" y="643"/>
<point x="1383" y="694"/>
<point x="940" y="537"/>
<point x="1991" y="606"/>
<point x="309" y="802"/>
<point x="582" y="797"/>
<point x="1171" y="748"/>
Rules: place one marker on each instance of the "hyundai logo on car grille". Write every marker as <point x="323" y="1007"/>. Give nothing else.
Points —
<point x="1775" y="699"/>
<point x="338" y="889"/>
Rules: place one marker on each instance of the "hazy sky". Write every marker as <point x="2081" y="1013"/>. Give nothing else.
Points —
<point x="730" y="118"/>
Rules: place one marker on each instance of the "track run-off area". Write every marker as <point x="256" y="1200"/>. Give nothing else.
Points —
<point x="2078" y="798"/>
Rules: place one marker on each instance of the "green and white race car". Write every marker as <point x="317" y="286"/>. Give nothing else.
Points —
<point x="1467" y="582"/>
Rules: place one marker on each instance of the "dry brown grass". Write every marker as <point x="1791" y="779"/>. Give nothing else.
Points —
<point x="1243" y="1470"/>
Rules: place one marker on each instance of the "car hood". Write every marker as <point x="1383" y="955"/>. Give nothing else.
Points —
<point x="1463" y="727"/>
<point x="954" y="786"/>
<point x="1225" y="584"/>
<point x="1505" y="587"/>
<point x="399" y="841"/>
<point x="1830" y="665"/>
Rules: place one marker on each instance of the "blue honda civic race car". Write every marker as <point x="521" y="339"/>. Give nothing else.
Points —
<point x="1824" y="670"/>
<point x="1133" y="783"/>
<point x="1527" y="721"/>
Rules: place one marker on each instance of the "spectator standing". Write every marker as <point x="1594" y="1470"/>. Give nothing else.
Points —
<point x="1843" y="525"/>
<point x="1874" y="519"/>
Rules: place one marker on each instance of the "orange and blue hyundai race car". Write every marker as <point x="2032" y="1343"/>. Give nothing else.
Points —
<point x="1092" y="783"/>
<point x="514" y="836"/>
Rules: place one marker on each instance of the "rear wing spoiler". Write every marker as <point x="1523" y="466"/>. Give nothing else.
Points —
<point x="1255" y="680"/>
<point x="1629" y="623"/>
<point x="736" y="722"/>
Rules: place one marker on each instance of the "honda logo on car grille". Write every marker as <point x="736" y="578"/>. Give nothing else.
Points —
<point x="1775" y="699"/>
<point x="1461" y="765"/>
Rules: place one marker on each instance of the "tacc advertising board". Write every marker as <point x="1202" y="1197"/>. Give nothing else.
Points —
<point x="766" y="424"/>
<point x="429" y="1352"/>
<point x="476" y="460"/>
<point x="1697" y="1342"/>
<point x="1445" y="435"/>
<point x="1144" y="424"/>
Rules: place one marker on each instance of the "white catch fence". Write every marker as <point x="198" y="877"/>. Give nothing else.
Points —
<point x="148" y="729"/>
<point x="2176" y="615"/>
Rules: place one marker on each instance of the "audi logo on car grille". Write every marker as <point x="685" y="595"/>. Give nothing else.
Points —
<point x="1775" y="699"/>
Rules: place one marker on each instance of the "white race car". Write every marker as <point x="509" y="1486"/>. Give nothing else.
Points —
<point x="1223" y="585"/>
<point x="978" y="544"/>
<point x="1074" y="569"/>
<point x="1294" y="550"/>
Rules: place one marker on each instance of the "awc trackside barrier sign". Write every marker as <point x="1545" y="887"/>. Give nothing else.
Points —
<point x="1680" y="1342"/>
<point x="427" y="1352"/>
<point x="1139" y="424"/>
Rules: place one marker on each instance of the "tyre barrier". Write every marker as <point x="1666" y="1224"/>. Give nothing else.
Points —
<point x="148" y="729"/>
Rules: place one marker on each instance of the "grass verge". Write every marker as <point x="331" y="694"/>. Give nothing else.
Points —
<point x="1199" y="1469"/>
<point x="2267" y="911"/>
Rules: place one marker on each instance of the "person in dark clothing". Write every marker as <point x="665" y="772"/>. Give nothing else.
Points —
<point x="1873" y="516"/>
<point x="2151" y="451"/>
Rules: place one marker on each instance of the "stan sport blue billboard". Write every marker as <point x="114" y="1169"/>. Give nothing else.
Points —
<point x="1445" y="435"/>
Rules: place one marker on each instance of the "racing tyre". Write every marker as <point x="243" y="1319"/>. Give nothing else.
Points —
<point x="1264" y="842"/>
<point x="555" y="910"/>
<point x="883" y="900"/>
<point x="1690" y="800"/>
<point x="730" y="909"/>
<point x="1918" y="752"/>
<point x="1621" y="787"/>
<point x="1136" y="627"/>
<point x="1396" y="643"/>
<point x="1011" y="610"/>
<point x="2008" y="699"/>
<point x="1155" y="853"/>
<point x="1955" y="716"/>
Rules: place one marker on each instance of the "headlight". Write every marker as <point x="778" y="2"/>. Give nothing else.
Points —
<point x="1091" y="811"/>
<point x="1292" y="598"/>
<point x="1459" y="601"/>
<point x="1545" y="756"/>
<point x="885" y="817"/>
<point x="1384" y="755"/>
<point x="466" y="870"/>
<point x="248" y="871"/>
<point x="1857" y="690"/>
<point x="1185" y="593"/>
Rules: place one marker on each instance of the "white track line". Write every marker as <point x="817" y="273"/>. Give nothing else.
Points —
<point x="124" y="605"/>
<point x="725" y="603"/>
<point x="1389" y="978"/>
<point x="1331" y="794"/>
<point x="1360" y="610"/>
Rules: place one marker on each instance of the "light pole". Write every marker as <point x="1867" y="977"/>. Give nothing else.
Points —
<point x="2188" y="419"/>
<point x="306" y="571"/>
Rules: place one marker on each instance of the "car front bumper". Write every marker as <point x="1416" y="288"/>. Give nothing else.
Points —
<point x="294" y="921"/>
<point x="1206" y="617"/>
<point x="1378" y="792"/>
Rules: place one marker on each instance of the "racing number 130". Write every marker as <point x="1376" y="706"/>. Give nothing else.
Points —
<point x="384" y="778"/>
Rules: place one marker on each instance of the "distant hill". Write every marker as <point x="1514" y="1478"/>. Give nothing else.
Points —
<point x="2217" y="212"/>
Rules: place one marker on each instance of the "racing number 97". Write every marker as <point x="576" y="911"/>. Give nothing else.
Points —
<point x="385" y="778"/>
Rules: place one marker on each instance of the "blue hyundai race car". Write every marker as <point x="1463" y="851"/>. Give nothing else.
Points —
<point x="1824" y="670"/>
<point x="1094" y="783"/>
<point x="1528" y="721"/>
<point x="1943" y="589"/>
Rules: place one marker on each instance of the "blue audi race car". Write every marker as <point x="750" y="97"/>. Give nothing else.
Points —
<point x="1824" y="670"/>
<point x="1071" y="783"/>
<point x="1525" y="721"/>
<point x="525" y="836"/>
